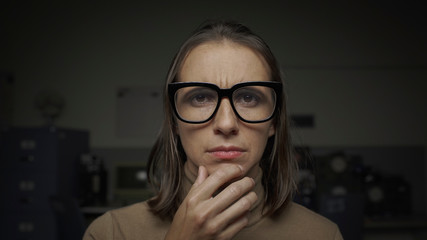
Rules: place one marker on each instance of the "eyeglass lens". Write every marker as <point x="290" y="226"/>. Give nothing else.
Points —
<point x="252" y="103"/>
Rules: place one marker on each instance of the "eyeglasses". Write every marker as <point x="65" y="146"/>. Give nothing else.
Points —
<point x="197" y="102"/>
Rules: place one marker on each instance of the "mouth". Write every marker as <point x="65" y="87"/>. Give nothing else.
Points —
<point x="224" y="152"/>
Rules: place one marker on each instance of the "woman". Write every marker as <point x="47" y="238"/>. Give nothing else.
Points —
<point x="222" y="165"/>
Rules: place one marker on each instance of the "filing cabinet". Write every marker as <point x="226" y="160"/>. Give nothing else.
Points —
<point x="35" y="164"/>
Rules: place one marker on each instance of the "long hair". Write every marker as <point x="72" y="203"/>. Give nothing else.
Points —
<point x="167" y="156"/>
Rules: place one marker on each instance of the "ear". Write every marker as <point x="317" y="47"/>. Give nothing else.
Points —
<point x="175" y="127"/>
<point x="271" y="130"/>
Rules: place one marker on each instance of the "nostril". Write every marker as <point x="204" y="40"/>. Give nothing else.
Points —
<point x="225" y="132"/>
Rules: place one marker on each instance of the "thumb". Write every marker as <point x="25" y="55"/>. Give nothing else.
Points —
<point x="201" y="176"/>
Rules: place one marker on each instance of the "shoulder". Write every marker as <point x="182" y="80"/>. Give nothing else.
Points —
<point x="138" y="213"/>
<point x="303" y="223"/>
<point x="301" y="213"/>
<point x="100" y="228"/>
<point x="127" y="223"/>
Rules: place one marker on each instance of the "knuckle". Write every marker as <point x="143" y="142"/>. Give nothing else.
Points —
<point x="212" y="229"/>
<point x="236" y="169"/>
<point x="235" y="190"/>
<point x="254" y="197"/>
<point x="221" y="173"/>
<point x="245" y="203"/>
<point x="200" y="219"/>
<point x="250" y="181"/>
<point x="227" y="172"/>
<point x="192" y="202"/>
<point x="223" y="237"/>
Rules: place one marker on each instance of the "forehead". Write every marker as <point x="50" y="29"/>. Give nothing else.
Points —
<point x="223" y="63"/>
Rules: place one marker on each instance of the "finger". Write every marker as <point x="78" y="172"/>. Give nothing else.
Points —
<point x="218" y="179"/>
<point x="242" y="206"/>
<point x="230" y="219"/>
<point x="201" y="176"/>
<point x="232" y="229"/>
<point x="232" y="193"/>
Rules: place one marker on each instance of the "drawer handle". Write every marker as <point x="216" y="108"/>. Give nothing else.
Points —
<point x="28" y="159"/>
<point x="27" y="185"/>
<point x="26" y="227"/>
<point x="26" y="200"/>
<point x="28" y="144"/>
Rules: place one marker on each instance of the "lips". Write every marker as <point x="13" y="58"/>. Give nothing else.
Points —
<point x="224" y="152"/>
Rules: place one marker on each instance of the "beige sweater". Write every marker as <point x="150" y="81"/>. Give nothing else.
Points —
<point x="137" y="222"/>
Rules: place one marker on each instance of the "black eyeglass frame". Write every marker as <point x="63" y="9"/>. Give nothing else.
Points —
<point x="224" y="92"/>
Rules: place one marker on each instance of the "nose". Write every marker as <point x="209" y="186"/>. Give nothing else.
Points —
<point x="225" y="120"/>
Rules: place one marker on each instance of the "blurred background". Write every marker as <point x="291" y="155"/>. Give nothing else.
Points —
<point x="80" y="107"/>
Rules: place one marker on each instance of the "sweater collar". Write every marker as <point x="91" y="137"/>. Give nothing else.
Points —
<point x="255" y="213"/>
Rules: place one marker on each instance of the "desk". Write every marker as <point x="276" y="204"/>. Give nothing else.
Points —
<point x="410" y="222"/>
<point x="410" y="227"/>
<point x="96" y="210"/>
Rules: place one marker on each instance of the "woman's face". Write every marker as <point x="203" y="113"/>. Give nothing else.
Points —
<point x="225" y="139"/>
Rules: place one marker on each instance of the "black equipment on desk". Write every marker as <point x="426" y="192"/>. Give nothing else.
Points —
<point x="93" y="180"/>
<point x="339" y="174"/>
<point x="387" y="195"/>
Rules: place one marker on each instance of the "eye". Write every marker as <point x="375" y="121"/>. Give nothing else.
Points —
<point x="246" y="98"/>
<point x="201" y="97"/>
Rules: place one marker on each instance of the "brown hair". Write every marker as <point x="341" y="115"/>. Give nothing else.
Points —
<point x="167" y="156"/>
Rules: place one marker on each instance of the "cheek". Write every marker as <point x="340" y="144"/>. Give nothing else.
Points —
<point x="262" y="133"/>
<point x="191" y="139"/>
<point x="260" y="139"/>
